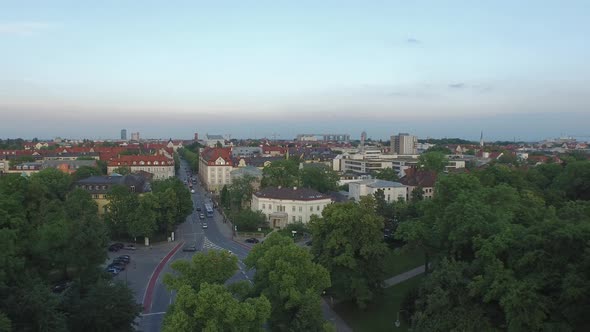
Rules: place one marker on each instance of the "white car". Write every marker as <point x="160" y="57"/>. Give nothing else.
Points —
<point x="192" y="191"/>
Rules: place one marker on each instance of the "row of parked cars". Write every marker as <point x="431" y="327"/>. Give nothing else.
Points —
<point x="118" y="246"/>
<point x="118" y="264"/>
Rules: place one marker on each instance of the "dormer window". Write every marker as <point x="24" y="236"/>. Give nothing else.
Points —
<point x="155" y="163"/>
<point x="142" y="162"/>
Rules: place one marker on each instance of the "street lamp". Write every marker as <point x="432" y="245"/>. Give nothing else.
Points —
<point x="294" y="232"/>
<point x="397" y="322"/>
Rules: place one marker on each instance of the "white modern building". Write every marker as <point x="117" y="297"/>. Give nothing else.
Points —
<point x="212" y="140"/>
<point x="393" y="190"/>
<point x="283" y="206"/>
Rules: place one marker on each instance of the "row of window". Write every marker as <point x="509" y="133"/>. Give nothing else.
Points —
<point x="281" y="208"/>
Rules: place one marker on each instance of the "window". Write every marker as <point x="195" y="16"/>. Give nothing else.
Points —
<point x="318" y="208"/>
<point x="311" y="208"/>
<point x="300" y="209"/>
<point x="293" y="210"/>
<point x="263" y="206"/>
<point x="300" y="219"/>
<point x="270" y="206"/>
<point x="293" y="218"/>
<point x="132" y="189"/>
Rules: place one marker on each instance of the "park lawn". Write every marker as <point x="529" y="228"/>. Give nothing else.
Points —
<point x="382" y="313"/>
<point x="397" y="261"/>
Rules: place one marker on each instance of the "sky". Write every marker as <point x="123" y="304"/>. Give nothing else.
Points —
<point x="512" y="69"/>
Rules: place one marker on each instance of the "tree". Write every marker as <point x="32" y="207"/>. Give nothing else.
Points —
<point x="183" y="204"/>
<point x="224" y="197"/>
<point x="387" y="174"/>
<point x="85" y="172"/>
<point x="282" y="173"/>
<point x="287" y="277"/>
<point x="348" y="242"/>
<point x="121" y="209"/>
<point x="105" y="306"/>
<point x="432" y="161"/>
<point x="123" y="170"/>
<point x="213" y="267"/>
<point x="146" y="224"/>
<point x="319" y="177"/>
<point x="248" y="220"/>
<point x="240" y="191"/>
<point x="439" y="148"/>
<point x="213" y="308"/>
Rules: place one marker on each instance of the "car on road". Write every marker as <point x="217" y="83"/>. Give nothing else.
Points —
<point x="113" y="270"/>
<point x="190" y="248"/>
<point x="198" y="208"/>
<point x="192" y="191"/>
<point x="120" y="260"/>
<point x="252" y="240"/>
<point x="130" y="247"/>
<point x="201" y="216"/>
<point x="204" y="225"/>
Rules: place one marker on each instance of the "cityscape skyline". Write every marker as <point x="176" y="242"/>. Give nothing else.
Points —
<point x="509" y="69"/>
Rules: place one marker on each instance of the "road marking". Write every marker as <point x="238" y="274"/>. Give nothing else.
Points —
<point x="154" y="313"/>
<point x="210" y="245"/>
<point x="147" y="295"/>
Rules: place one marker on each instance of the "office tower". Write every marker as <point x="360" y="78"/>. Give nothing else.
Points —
<point x="124" y="134"/>
<point x="404" y="143"/>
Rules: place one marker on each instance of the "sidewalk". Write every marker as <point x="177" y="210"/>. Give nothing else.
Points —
<point x="404" y="276"/>
<point x="331" y="316"/>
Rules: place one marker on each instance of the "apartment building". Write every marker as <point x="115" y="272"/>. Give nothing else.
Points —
<point x="404" y="144"/>
<point x="393" y="191"/>
<point x="160" y="166"/>
<point x="215" y="166"/>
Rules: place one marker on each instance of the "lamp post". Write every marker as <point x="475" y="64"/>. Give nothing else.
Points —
<point x="397" y="322"/>
<point x="294" y="232"/>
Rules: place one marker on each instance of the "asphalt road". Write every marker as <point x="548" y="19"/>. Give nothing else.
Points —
<point x="217" y="236"/>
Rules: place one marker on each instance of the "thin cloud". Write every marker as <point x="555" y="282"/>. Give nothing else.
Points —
<point x="413" y="41"/>
<point x="22" y="28"/>
<point x="457" y="85"/>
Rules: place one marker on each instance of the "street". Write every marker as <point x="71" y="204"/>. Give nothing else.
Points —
<point x="217" y="236"/>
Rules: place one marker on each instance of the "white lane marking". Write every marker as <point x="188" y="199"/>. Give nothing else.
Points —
<point x="154" y="313"/>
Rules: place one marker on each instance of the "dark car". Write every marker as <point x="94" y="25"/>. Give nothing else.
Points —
<point x="112" y="270"/>
<point x="120" y="260"/>
<point x="252" y="240"/>
<point x="190" y="248"/>
<point x="113" y="248"/>
<point x="198" y="208"/>
<point x="130" y="247"/>
<point x="118" y="266"/>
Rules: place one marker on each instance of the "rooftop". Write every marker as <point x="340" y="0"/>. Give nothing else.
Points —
<point x="295" y="194"/>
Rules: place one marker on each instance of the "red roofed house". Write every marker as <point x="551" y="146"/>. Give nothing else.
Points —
<point x="215" y="165"/>
<point x="160" y="166"/>
<point x="419" y="179"/>
<point x="273" y="151"/>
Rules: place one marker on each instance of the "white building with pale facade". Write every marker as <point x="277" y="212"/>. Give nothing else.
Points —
<point x="393" y="191"/>
<point x="215" y="166"/>
<point x="160" y="166"/>
<point x="283" y="206"/>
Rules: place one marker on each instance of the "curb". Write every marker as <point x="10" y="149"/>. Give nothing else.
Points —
<point x="149" y="290"/>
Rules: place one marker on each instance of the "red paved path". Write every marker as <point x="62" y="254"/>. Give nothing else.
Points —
<point x="147" y="298"/>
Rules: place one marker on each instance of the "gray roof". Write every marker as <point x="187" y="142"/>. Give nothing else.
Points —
<point x="71" y="163"/>
<point x="214" y="137"/>
<point x="92" y="183"/>
<point x="248" y="170"/>
<point x="376" y="183"/>
<point x="296" y="194"/>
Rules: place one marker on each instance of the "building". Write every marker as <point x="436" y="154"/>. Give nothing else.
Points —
<point x="212" y="141"/>
<point x="161" y="167"/>
<point x="246" y="151"/>
<point x="135" y="136"/>
<point x="215" y="165"/>
<point x="68" y="166"/>
<point x="124" y="134"/>
<point x="404" y="144"/>
<point x="251" y="171"/>
<point x="393" y="191"/>
<point x="283" y="206"/>
<point x="99" y="187"/>
<point x="419" y="179"/>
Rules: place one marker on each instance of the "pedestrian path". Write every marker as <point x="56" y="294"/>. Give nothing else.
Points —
<point x="210" y="245"/>
<point x="404" y="276"/>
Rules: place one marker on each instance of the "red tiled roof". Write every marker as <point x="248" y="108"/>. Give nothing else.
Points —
<point x="417" y="178"/>
<point x="210" y="155"/>
<point x="137" y="161"/>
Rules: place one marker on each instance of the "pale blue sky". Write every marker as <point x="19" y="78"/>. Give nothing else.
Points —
<point x="253" y="68"/>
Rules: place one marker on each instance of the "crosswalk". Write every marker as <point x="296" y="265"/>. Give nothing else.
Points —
<point x="210" y="245"/>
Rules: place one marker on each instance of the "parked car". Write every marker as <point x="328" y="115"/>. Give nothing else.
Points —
<point x="190" y="248"/>
<point x="192" y="191"/>
<point x="252" y="240"/>
<point x="118" y="266"/>
<point x="130" y="247"/>
<point x="113" y="270"/>
<point x="113" y="248"/>
<point x="120" y="260"/>
<point x="198" y="208"/>
<point x="205" y="225"/>
<point x="125" y="256"/>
